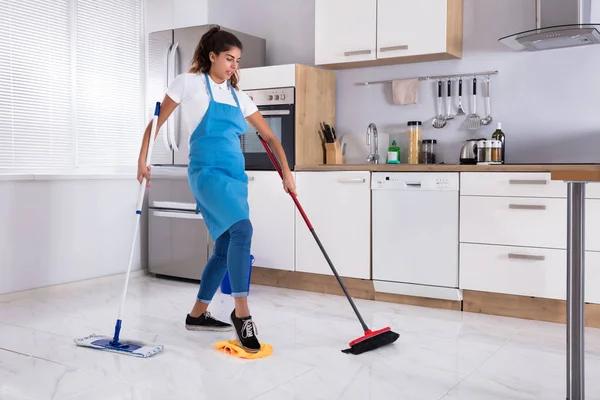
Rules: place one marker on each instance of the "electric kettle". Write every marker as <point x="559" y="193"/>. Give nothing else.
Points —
<point x="468" y="152"/>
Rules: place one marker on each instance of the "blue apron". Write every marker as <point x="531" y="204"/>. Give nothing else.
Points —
<point x="216" y="170"/>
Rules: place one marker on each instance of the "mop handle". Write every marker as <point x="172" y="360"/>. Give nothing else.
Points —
<point x="314" y="233"/>
<point x="148" y="156"/>
<point x="138" y="213"/>
<point x="278" y="168"/>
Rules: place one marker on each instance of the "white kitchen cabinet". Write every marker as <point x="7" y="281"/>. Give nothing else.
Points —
<point x="345" y="31"/>
<point x="410" y="28"/>
<point x="338" y="204"/>
<point x="523" y="271"/>
<point x="272" y="216"/>
<point x="357" y="33"/>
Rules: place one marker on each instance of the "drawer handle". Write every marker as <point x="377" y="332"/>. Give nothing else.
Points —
<point x="526" y="257"/>
<point x="392" y="48"/>
<point x="357" y="52"/>
<point x="250" y="178"/>
<point x="352" y="180"/>
<point x="526" y="207"/>
<point x="528" y="182"/>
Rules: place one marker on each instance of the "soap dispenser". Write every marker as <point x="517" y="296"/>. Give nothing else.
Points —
<point x="393" y="156"/>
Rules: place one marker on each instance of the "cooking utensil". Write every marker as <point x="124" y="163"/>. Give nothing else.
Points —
<point x="474" y="119"/>
<point x="439" y="121"/>
<point x="488" y="119"/>
<point x="461" y="110"/>
<point x="448" y="97"/>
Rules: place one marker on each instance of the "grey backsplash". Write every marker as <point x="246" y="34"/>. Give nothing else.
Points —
<point x="548" y="102"/>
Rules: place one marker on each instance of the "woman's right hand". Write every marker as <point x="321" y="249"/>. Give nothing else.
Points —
<point x="143" y="172"/>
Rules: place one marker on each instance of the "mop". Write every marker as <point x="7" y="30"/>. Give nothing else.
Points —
<point x="371" y="340"/>
<point x="133" y="348"/>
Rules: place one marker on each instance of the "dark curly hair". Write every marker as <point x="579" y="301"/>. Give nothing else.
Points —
<point x="215" y="40"/>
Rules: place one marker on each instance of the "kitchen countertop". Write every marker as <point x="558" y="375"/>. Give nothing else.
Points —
<point x="590" y="170"/>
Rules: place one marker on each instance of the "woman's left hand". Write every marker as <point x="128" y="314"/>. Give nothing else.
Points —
<point x="288" y="183"/>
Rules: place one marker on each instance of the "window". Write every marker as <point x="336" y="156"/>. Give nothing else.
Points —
<point x="71" y="94"/>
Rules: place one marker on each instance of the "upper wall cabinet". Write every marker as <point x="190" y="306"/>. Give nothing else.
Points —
<point x="363" y="33"/>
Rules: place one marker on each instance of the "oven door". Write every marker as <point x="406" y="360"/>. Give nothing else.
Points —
<point x="281" y="120"/>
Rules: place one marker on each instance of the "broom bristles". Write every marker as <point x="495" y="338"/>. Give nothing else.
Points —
<point x="372" y="343"/>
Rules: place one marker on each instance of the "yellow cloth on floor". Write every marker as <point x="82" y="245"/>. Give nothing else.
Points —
<point x="232" y="347"/>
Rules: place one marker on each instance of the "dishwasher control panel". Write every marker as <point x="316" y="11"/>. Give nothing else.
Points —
<point x="415" y="181"/>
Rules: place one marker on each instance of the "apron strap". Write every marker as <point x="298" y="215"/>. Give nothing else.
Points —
<point x="234" y="96"/>
<point x="208" y="86"/>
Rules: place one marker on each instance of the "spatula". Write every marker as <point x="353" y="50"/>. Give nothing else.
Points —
<point x="474" y="120"/>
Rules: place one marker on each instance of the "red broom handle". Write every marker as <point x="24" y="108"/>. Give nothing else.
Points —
<point x="278" y="168"/>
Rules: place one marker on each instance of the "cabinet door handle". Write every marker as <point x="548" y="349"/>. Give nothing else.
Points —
<point x="357" y="52"/>
<point x="526" y="257"/>
<point x="352" y="180"/>
<point x="250" y="178"/>
<point x="526" y="207"/>
<point x="528" y="182"/>
<point x="393" y="48"/>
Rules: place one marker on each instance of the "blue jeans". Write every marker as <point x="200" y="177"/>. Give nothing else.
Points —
<point x="232" y="249"/>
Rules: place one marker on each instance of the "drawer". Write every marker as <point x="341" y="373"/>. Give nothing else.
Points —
<point x="518" y="184"/>
<point x="514" y="270"/>
<point x="592" y="277"/>
<point x="592" y="190"/>
<point x="592" y="224"/>
<point x="514" y="221"/>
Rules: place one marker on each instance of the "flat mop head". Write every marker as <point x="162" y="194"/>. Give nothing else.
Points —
<point x="371" y="341"/>
<point x="132" y="348"/>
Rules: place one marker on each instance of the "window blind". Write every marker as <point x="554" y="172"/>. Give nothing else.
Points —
<point x="35" y="84"/>
<point x="71" y="94"/>
<point x="109" y="75"/>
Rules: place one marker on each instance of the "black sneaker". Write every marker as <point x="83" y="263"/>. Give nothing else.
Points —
<point x="246" y="332"/>
<point x="205" y="322"/>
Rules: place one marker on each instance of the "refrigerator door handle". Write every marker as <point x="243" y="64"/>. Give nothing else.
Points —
<point x="167" y="82"/>
<point x="171" y="121"/>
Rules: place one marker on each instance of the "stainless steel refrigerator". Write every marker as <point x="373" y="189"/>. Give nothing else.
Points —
<point x="178" y="241"/>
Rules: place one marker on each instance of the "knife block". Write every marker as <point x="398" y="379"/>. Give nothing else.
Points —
<point x="333" y="153"/>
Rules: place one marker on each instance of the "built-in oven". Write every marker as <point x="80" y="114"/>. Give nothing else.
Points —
<point x="277" y="106"/>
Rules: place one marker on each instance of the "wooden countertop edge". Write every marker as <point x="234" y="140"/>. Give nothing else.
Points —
<point x="581" y="174"/>
<point x="589" y="172"/>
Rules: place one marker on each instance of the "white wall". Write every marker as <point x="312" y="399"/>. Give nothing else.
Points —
<point x="546" y="101"/>
<point x="56" y="231"/>
<point x="170" y="14"/>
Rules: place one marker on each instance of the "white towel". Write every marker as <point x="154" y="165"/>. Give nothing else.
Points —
<point x="405" y="91"/>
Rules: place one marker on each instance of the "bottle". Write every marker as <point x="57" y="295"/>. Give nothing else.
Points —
<point x="499" y="135"/>
<point x="393" y="154"/>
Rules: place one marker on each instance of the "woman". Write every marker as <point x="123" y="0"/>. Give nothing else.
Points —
<point x="216" y="110"/>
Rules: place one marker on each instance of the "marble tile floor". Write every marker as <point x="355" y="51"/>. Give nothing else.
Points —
<point x="440" y="355"/>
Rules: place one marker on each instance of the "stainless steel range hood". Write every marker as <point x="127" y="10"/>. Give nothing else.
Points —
<point x="559" y="24"/>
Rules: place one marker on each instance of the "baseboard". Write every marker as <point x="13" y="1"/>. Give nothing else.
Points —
<point x="82" y="283"/>
<point x="358" y="288"/>
<point x="525" y="307"/>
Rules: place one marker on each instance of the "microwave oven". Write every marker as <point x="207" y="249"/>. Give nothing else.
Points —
<point x="277" y="107"/>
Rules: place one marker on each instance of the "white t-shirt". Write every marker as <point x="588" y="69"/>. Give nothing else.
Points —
<point x="190" y="91"/>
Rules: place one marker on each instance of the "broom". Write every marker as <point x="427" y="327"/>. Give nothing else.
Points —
<point x="106" y="343"/>
<point x="371" y="340"/>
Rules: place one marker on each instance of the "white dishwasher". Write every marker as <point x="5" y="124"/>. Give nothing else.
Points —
<point x="415" y="233"/>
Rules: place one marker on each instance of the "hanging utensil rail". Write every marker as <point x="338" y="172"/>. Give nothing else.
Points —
<point x="426" y="78"/>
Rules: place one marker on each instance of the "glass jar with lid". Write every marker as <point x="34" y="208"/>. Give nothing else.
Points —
<point x="481" y="148"/>
<point x="428" y="151"/>
<point x="414" y="141"/>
